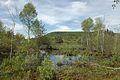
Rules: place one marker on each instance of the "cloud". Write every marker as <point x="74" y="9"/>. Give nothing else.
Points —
<point x="63" y="28"/>
<point x="61" y="12"/>
<point x="19" y="27"/>
<point x="76" y="6"/>
<point x="113" y="20"/>
<point x="5" y="2"/>
<point x="48" y="19"/>
<point x="64" y="15"/>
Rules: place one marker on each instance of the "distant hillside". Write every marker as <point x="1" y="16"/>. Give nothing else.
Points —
<point x="66" y="36"/>
<point x="65" y="42"/>
<point x="74" y="42"/>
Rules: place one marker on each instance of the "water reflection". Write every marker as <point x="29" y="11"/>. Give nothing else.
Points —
<point x="64" y="60"/>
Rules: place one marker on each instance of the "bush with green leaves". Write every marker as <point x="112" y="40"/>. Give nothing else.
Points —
<point x="46" y="70"/>
<point x="58" y="39"/>
<point x="18" y="65"/>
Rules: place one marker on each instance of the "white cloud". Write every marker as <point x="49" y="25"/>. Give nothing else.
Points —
<point x="63" y="28"/>
<point x="8" y="2"/>
<point x="59" y="12"/>
<point x="77" y="6"/>
<point x="18" y="27"/>
<point x="113" y="20"/>
<point x="48" y="19"/>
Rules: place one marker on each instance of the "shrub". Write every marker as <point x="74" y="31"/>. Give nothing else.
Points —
<point x="47" y="70"/>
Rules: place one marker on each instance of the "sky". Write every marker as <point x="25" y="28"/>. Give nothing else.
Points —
<point x="62" y="15"/>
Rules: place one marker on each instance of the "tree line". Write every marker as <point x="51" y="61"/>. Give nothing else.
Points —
<point x="11" y="43"/>
<point x="97" y="38"/>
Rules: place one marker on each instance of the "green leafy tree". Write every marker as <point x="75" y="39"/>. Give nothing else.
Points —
<point x="87" y="26"/>
<point x="2" y="28"/>
<point x="38" y="31"/>
<point x="37" y="28"/>
<point x="5" y="41"/>
<point x="46" y="70"/>
<point x="99" y="30"/>
<point x="27" y="16"/>
<point x="43" y="43"/>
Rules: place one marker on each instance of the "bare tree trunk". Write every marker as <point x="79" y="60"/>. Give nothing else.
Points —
<point x="86" y="37"/>
<point x="81" y="42"/>
<point x="116" y="39"/>
<point x="28" y="48"/>
<point x="102" y="46"/>
<point x="12" y="39"/>
<point x="28" y="36"/>
<point x="98" y="40"/>
<point x="88" y="41"/>
<point x="12" y="16"/>
<point x="11" y="50"/>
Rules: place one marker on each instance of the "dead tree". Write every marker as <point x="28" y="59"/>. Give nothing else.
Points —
<point x="13" y="17"/>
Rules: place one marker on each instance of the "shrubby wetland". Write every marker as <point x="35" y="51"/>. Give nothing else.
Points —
<point x="90" y="54"/>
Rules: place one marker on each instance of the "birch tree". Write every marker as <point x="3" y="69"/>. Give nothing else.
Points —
<point x="99" y="30"/>
<point x="14" y="17"/>
<point x="87" y="25"/>
<point x="27" y="17"/>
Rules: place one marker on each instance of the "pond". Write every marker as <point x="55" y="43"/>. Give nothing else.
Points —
<point x="63" y="59"/>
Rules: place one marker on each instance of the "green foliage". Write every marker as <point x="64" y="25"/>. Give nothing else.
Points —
<point x="24" y="47"/>
<point x="99" y="25"/>
<point x="59" y="39"/>
<point x="87" y="24"/>
<point x="5" y="41"/>
<point x="26" y="67"/>
<point x="43" y="42"/>
<point x="75" y="42"/>
<point x="46" y="70"/>
<point x="69" y="40"/>
<point x="14" y="64"/>
<point x="38" y="31"/>
<point x="27" y="16"/>
<point x="11" y="69"/>
<point x="115" y="58"/>
<point x="86" y="72"/>
<point x="2" y="28"/>
<point x="37" y="28"/>
<point x="94" y="44"/>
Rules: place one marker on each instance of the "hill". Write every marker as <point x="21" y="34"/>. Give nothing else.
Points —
<point x="65" y="42"/>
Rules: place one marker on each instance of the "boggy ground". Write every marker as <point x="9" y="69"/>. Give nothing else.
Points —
<point x="85" y="71"/>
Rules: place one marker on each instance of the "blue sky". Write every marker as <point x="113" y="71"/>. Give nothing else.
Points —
<point x="62" y="15"/>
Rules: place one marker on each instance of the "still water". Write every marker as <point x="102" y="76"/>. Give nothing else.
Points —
<point x="64" y="59"/>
